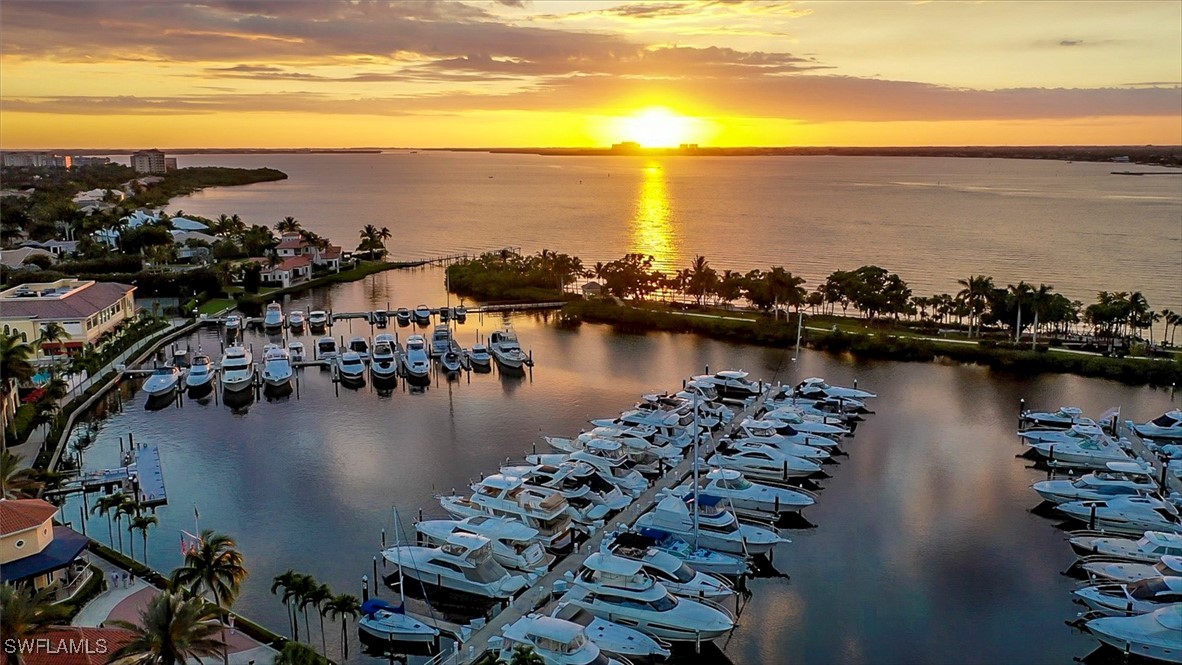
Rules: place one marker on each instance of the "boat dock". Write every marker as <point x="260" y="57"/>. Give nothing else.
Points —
<point x="390" y="314"/>
<point x="141" y="473"/>
<point x="1170" y="482"/>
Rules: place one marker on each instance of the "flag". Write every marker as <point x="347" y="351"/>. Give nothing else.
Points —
<point x="196" y="515"/>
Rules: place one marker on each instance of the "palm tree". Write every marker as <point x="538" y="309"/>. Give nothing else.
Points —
<point x="107" y="505"/>
<point x="15" y="357"/>
<point x="288" y="225"/>
<point x="525" y="655"/>
<point x="318" y="596"/>
<point x="294" y="653"/>
<point x="142" y="523"/>
<point x="24" y="611"/>
<point x="172" y="630"/>
<point x="370" y="239"/>
<point x="302" y="587"/>
<point x="214" y="567"/>
<point x="16" y="482"/>
<point x="346" y="607"/>
<point x="975" y="294"/>
<point x="384" y="235"/>
<point x="284" y="581"/>
<point x="131" y="508"/>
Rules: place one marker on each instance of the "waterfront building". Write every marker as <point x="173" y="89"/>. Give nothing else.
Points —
<point x="36" y="159"/>
<point x="149" y="161"/>
<point x="15" y="258"/>
<point x="35" y="551"/>
<point x="293" y="244"/>
<point x="78" y="161"/>
<point x="170" y="163"/>
<point x="293" y="270"/>
<point x="85" y="309"/>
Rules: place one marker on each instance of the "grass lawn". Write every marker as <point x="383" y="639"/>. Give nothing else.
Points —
<point x="216" y="305"/>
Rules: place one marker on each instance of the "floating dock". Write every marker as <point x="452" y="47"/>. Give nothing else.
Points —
<point x="141" y="473"/>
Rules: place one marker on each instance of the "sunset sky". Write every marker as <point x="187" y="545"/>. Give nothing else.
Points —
<point x="272" y="73"/>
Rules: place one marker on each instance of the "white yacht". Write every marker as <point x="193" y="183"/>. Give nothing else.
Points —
<point x="787" y="420"/>
<point x="317" y="319"/>
<point x="678" y="577"/>
<point x="1132" y="515"/>
<point x="163" y="381"/>
<point x="1140" y="597"/>
<point x="1166" y="426"/>
<point x="590" y="493"/>
<point x="1149" y="548"/>
<point x="1129" y="478"/>
<point x="514" y="545"/>
<point x="777" y="434"/>
<point x="326" y="349"/>
<point x="464" y="564"/>
<point x="731" y="384"/>
<point x="360" y="346"/>
<point x="233" y="323"/>
<point x="643" y="452"/>
<point x="663" y="428"/>
<point x="402" y="315"/>
<point x="273" y="316"/>
<point x="418" y="364"/>
<point x="391" y="623"/>
<point x="1157" y="635"/>
<point x="619" y="590"/>
<point x="1065" y="417"/>
<point x="440" y="340"/>
<point x="201" y="371"/>
<point x="506" y="350"/>
<point x="699" y="558"/>
<point x="1082" y="431"/>
<point x="781" y="444"/>
<point x="295" y="320"/>
<point x="453" y="358"/>
<point x="1080" y="450"/>
<point x="422" y="315"/>
<point x="295" y="349"/>
<point x="508" y="496"/>
<point x="276" y="366"/>
<point x="607" y="456"/>
<point x="479" y="356"/>
<point x="553" y="641"/>
<point x="613" y="637"/>
<point x="761" y="462"/>
<point x="718" y="528"/>
<point x="744" y="495"/>
<point x="702" y="389"/>
<point x="383" y="362"/>
<point x="237" y="371"/>
<point x="826" y="410"/>
<point x="816" y="387"/>
<point x="350" y="367"/>
<point x="1131" y="571"/>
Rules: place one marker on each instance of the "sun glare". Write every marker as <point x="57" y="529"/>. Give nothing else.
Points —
<point x="658" y="127"/>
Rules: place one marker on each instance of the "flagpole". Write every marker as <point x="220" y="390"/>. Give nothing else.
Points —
<point x="196" y="520"/>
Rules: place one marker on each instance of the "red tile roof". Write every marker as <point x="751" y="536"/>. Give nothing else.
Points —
<point x="290" y="242"/>
<point x="84" y="302"/>
<point x="331" y="252"/>
<point x="72" y="645"/>
<point x="293" y="262"/>
<point x="20" y="514"/>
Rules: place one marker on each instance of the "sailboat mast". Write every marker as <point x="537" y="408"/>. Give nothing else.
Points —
<point x="398" y="542"/>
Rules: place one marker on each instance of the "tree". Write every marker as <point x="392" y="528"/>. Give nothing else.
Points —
<point x="345" y="607"/>
<point x="130" y="508"/>
<point x="701" y="280"/>
<point x="371" y="241"/>
<point x="288" y="225"/>
<point x="284" y="582"/>
<point x="15" y="361"/>
<point x="108" y="505"/>
<point x="525" y="655"/>
<point x="24" y="611"/>
<point x="142" y="523"/>
<point x="317" y="597"/>
<point x="18" y="483"/>
<point x="976" y="292"/>
<point x="294" y="653"/>
<point x="172" y="630"/>
<point x="214" y="567"/>
<point x="301" y="588"/>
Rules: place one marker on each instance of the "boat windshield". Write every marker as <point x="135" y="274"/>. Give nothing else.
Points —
<point x="1148" y="588"/>
<point x="737" y="484"/>
<point x="1164" y="420"/>
<point x="351" y="362"/>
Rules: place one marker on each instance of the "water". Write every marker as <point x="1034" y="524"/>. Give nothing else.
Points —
<point x="925" y="551"/>
<point x="932" y="220"/>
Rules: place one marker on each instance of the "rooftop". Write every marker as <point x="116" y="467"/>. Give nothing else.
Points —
<point x="20" y="514"/>
<point x="63" y="299"/>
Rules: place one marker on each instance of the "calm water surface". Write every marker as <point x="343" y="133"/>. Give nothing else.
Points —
<point x="932" y="220"/>
<point x="925" y="551"/>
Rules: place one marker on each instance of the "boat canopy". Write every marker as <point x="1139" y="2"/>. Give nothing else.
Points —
<point x="565" y="633"/>
<point x="373" y="605"/>
<point x="1130" y="468"/>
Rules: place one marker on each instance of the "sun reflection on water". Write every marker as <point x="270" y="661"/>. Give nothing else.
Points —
<point x="652" y="232"/>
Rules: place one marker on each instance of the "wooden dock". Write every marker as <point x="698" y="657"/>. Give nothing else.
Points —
<point x="142" y="474"/>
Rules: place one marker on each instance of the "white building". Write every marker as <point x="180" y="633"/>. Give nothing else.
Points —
<point x="149" y="161"/>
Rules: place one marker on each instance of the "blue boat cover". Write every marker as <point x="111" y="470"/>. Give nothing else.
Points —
<point x="704" y="499"/>
<point x="655" y="534"/>
<point x="374" y="604"/>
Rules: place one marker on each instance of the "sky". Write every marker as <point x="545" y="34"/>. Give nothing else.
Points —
<point x="291" y="73"/>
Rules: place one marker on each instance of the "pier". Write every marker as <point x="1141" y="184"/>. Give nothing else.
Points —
<point x="141" y="474"/>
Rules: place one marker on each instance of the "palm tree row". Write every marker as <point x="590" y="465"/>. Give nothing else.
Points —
<point x="373" y="240"/>
<point x="299" y="591"/>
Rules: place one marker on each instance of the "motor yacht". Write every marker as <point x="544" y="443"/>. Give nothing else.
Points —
<point x="746" y="496"/>
<point x="379" y="318"/>
<point x="422" y="315"/>
<point x="826" y="410"/>
<point x="461" y="313"/>
<point x="1132" y="515"/>
<point x="464" y="564"/>
<point x="553" y="641"/>
<point x="606" y="456"/>
<point x="453" y="358"/>
<point x="514" y="545"/>
<point x="295" y="350"/>
<point x="506" y="350"/>
<point x="787" y="420"/>
<point x="479" y="356"/>
<point x="619" y="590"/>
<point x="1129" y="478"/>
<point x="237" y="372"/>
<point x="273" y="316"/>
<point x="710" y="415"/>
<point x="1131" y="571"/>
<point x="780" y="434"/>
<point x="360" y="346"/>
<point x="1166" y="426"/>
<point x="1065" y="417"/>
<point x="591" y="496"/>
<point x="162" y="382"/>
<point x="350" y="367"/>
<point x="180" y="358"/>
<point x="641" y="451"/>
<point x="402" y="316"/>
<point x="1123" y="599"/>
<point x="758" y="461"/>
<point x="318" y="320"/>
<point x="699" y="558"/>
<point x="295" y="320"/>
<point x="811" y="453"/>
<point x="731" y="384"/>
<point x="1149" y="548"/>
<point x="662" y="428"/>
<point x="201" y="372"/>
<point x="816" y="387"/>
<point x="1157" y="635"/>
<point x="1080" y="450"/>
<point x="391" y="623"/>
<point x="718" y="528"/>
<point x="326" y="349"/>
<point x="233" y="323"/>
<point x="383" y="361"/>
<point x="702" y="389"/>
<point x="417" y="362"/>
<point x="678" y="577"/>
<point x="508" y="496"/>
<point x="1082" y="431"/>
<point x="276" y="366"/>
<point x="613" y="637"/>
<point x="440" y="340"/>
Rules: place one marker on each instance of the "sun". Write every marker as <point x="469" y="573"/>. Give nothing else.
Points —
<point x="658" y="127"/>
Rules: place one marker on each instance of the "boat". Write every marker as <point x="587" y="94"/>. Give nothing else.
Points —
<point x="552" y="642"/>
<point x="816" y="387"/>
<point x="383" y="362"/>
<point x="461" y="313"/>
<point x="326" y="349"/>
<point x="646" y="456"/>
<point x="1131" y="571"/>
<point x="1065" y="417"/>
<point x="744" y="495"/>
<point x="402" y="316"/>
<point x="776" y="442"/>
<point x="1132" y="515"/>
<point x="787" y="421"/>
<point x="201" y="372"/>
<point x="619" y="590"/>
<point x="606" y="456"/>
<point x="505" y="349"/>
<point x="678" y="577"/>
<point x="440" y="340"/>
<point x="317" y="320"/>
<point x="444" y="314"/>
<point x="464" y="564"/>
<point x="237" y="372"/>
<point x="350" y="367"/>
<point x="1122" y="599"/>
<point x="1081" y="449"/>
<point x="1149" y="548"/>
<point x="590" y="496"/>
<point x="731" y="384"/>
<point x="1157" y="635"/>
<point x="612" y="637"/>
<point x="452" y="359"/>
<point x="273" y="316"/>
<point x="704" y="390"/>
<point x="1130" y="478"/>
<point x="479" y="357"/>
<point x="777" y="434"/>
<point x="180" y="358"/>
<point x="514" y="545"/>
<point x="233" y="323"/>
<point x="663" y="428"/>
<point x="1081" y="431"/>
<point x="1166" y="426"/>
<point x="699" y="558"/>
<point x="718" y="528"/>
<point x="163" y="381"/>
<point x="391" y="623"/>
<point x="295" y="320"/>
<point x="360" y="346"/>
<point x="422" y="315"/>
<point x="762" y="462"/>
<point x="295" y="349"/>
<point x="379" y="318"/>
<point x="499" y="495"/>
<point x="417" y="362"/>
<point x="276" y="366"/>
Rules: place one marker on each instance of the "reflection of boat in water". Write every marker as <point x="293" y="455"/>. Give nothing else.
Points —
<point x="238" y="400"/>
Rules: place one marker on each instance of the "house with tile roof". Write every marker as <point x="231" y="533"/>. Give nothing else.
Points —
<point x="33" y="550"/>
<point x="293" y="244"/>
<point x="292" y="270"/>
<point x="85" y="309"/>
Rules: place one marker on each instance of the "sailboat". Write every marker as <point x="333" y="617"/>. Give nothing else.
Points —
<point x="391" y="622"/>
